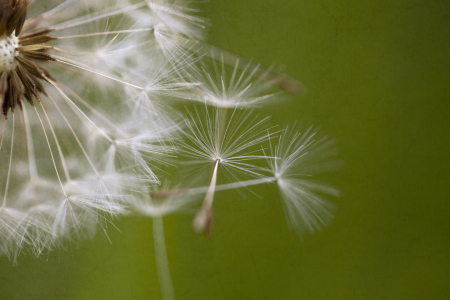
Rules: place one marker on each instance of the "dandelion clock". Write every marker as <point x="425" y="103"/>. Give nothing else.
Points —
<point x="122" y="109"/>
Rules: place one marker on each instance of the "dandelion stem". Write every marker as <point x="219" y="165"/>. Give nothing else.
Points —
<point x="162" y="262"/>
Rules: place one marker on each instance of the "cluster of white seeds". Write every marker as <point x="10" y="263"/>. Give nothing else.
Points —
<point x="8" y="45"/>
<point x="102" y="138"/>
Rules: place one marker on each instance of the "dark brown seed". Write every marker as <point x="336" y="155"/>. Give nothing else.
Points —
<point x="12" y="16"/>
<point x="38" y="84"/>
<point x="3" y="83"/>
<point x="36" y="40"/>
<point x="3" y="88"/>
<point x="17" y="16"/>
<point x="4" y="17"/>
<point x="16" y="86"/>
<point x="38" y="55"/>
<point x="20" y="23"/>
<point x="30" y="87"/>
<point x="34" y="33"/>
<point x="31" y="67"/>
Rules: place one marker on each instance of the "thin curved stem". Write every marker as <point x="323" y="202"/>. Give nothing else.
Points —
<point x="104" y="33"/>
<point x="97" y="73"/>
<point x="3" y="135"/>
<point x="30" y="146"/>
<point x="202" y="190"/>
<point x="162" y="262"/>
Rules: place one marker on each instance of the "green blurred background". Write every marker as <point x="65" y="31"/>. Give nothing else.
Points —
<point x="377" y="74"/>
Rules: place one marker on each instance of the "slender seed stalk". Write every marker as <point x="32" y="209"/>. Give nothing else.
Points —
<point x="30" y="147"/>
<point x="97" y="73"/>
<point x="203" y="218"/>
<point x="162" y="262"/>
<point x="51" y="152"/>
<point x="201" y="190"/>
<point x="10" y="163"/>
<point x="3" y="135"/>
<point x="222" y="127"/>
<point x="75" y="136"/>
<point x="104" y="33"/>
<point x="58" y="145"/>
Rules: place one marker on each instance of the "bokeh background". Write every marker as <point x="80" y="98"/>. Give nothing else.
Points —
<point x="377" y="77"/>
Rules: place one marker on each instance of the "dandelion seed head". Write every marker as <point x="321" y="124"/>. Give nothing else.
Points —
<point x="71" y="154"/>
<point x="87" y="123"/>
<point x="8" y="45"/>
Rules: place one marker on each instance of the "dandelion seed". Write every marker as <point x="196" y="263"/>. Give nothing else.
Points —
<point x="296" y="158"/>
<point x="225" y="143"/>
<point x="239" y="90"/>
<point x="174" y="26"/>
